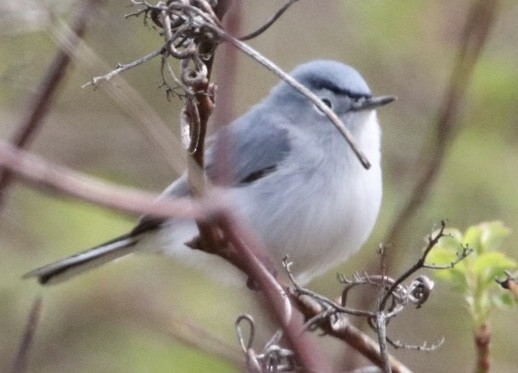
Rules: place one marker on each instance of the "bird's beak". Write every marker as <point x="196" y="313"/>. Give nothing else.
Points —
<point x="372" y="103"/>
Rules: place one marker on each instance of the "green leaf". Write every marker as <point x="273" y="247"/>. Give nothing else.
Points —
<point x="472" y="238"/>
<point x="491" y="264"/>
<point x="493" y="234"/>
<point x="441" y="256"/>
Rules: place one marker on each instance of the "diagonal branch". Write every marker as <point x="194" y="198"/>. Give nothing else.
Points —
<point x="41" y="173"/>
<point x="46" y="91"/>
<point x="330" y="114"/>
<point x="21" y="361"/>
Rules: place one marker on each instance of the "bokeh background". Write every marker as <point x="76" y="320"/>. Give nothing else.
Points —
<point x="147" y="314"/>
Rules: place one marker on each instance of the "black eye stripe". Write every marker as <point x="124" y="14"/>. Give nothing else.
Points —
<point x="330" y="86"/>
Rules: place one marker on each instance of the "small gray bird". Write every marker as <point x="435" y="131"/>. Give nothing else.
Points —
<point x="295" y="181"/>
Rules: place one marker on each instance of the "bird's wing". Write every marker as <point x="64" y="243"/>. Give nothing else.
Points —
<point x="255" y="153"/>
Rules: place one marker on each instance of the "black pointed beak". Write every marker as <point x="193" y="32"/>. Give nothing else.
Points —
<point x="371" y="103"/>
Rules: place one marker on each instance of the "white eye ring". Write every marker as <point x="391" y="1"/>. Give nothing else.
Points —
<point x="326" y="102"/>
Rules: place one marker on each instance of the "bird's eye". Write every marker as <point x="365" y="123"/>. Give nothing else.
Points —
<point x="326" y="102"/>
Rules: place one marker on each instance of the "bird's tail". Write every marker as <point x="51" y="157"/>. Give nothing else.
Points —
<point x="73" y="265"/>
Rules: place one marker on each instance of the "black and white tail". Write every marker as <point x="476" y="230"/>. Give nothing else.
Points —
<point x="73" y="265"/>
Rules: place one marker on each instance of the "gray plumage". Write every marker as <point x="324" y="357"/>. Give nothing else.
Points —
<point x="295" y="181"/>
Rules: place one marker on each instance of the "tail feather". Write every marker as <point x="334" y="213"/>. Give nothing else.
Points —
<point x="73" y="265"/>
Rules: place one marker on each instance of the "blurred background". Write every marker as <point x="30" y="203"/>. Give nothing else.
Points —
<point x="147" y="314"/>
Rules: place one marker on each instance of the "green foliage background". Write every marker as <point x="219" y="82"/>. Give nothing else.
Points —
<point x="118" y="318"/>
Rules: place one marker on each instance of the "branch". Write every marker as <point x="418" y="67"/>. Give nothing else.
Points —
<point x="268" y="23"/>
<point x="289" y="318"/>
<point x="43" y="98"/>
<point x="191" y="51"/>
<point x="41" y="173"/>
<point x="128" y="99"/>
<point x="330" y="114"/>
<point x="509" y="283"/>
<point x="20" y="363"/>
<point x="341" y="329"/>
<point x="432" y="241"/>
<point x="122" y="68"/>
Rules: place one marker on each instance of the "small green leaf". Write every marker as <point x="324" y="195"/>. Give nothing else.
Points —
<point x="472" y="238"/>
<point x="489" y="265"/>
<point x="493" y="234"/>
<point x="442" y="256"/>
<point x="453" y="239"/>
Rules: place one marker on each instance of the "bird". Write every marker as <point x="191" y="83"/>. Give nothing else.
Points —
<point x="295" y="181"/>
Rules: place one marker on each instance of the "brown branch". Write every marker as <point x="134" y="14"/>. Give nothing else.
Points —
<point x="291" y="319"/>
<point x="226" y="67"/>
<point x="330" y="114"/>
<point x="509" y="283"/>
<point x="482" y="339"/>
<point x="481" y="18"/>
<point x="247" y="254"/>
<point x="20" y="364"/>
<point x="345" y="331"/>
<point x="43" y="98"/>
<point x="268" y="23"/>
<point x="129" y="100"/>
<point x="41" y="173"/>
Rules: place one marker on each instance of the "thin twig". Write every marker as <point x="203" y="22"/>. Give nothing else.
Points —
<point x="43" y="98"/>
<point x="345" y="331"/>
<point x="381" y="328"/>
<point x="509" y="283"/>
<point x="432" y="242"/>
<point x="247" y="255"/>
<point x="21" y="361"/>
<point x="129" y="100"/>
<point x="330" y="114"/>
<point x="268" y="23"/>
<point x="122" y="68"/>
